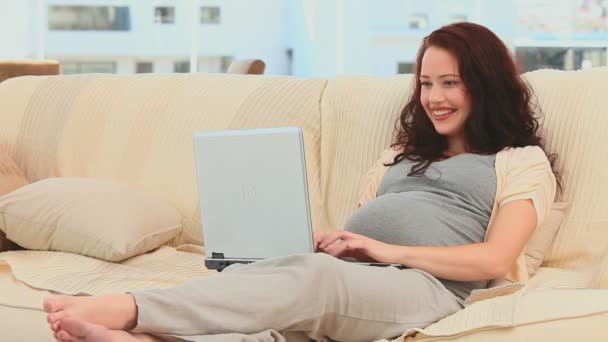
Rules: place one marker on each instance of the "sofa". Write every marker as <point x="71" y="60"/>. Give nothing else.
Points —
<point x="137" y="130"/>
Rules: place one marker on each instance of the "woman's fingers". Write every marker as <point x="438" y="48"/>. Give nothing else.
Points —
<point x="318" y="236"/>
<point x="336" y="250"/>
<point x="335" y="235"/>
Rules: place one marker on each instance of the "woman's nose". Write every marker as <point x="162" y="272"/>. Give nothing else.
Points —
<point x="436" y="96"/>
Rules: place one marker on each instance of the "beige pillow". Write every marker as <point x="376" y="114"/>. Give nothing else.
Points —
<point x="11" y="178"/>
<point x="543" y="237"/>
<point x="89" y="217"/>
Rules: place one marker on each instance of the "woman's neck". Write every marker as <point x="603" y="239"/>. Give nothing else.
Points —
<point x="456" y="146"/>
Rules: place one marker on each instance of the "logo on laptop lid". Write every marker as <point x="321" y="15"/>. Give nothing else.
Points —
<point x="249" y="192"/>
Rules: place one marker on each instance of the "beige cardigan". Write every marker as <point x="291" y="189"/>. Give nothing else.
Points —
<point x="521" y="173"/>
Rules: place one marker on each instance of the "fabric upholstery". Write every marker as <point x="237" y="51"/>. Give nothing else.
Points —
<point x="21" y="314"/>
<point x="543" y="237"/>
<point x="552" y="295"/>
<point x="11" y="178"/>
<point x="71" y="274"/>
<point x="575" y="125"/>
<point x="138" y="128"/>
<point x="370" y="106"/>
<point x="88" y="217"/>
<point x="569" y="315"/>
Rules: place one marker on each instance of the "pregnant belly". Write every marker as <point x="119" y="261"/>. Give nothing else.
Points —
<point x="417" y="219"/>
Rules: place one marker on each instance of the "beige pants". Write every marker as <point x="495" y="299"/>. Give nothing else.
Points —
<point x="317" y="294"/>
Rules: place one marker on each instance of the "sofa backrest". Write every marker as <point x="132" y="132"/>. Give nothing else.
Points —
<point x="138" y="129"/>
<point x="358" y="116"/>
<point x="358" y="120"/>
<point x="575" y="109"/>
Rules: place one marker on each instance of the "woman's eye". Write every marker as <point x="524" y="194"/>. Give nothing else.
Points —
<point x="450" y="83"/>
<point x="425" y="83"/>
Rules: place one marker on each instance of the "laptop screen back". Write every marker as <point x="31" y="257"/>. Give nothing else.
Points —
<point x="253" y="192"/>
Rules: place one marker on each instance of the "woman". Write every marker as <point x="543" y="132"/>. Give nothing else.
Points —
<point x="467" y="156"/>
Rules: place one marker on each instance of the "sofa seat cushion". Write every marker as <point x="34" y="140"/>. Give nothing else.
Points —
<point x="21" y="314"/>
<point x="100" y="219"/>
<point x="552" y="295"/>
<point x="27" y="277"/>
<point x="537" y="315"/>
<point x="71" y="273"/>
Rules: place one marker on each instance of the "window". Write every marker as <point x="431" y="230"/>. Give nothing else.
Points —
<point x="164" y="15"/>
<point x="214" y="64"/>
<point x="418" y="21"/>
<point x="564" y="58"/>
<point x="144" y="67"/>
<point x="210" y="15"/>
<point x="69" y="68"/>
<point x="181" y="66"/>
<point x="89" y="18"/>
<point x="405" y="68"/>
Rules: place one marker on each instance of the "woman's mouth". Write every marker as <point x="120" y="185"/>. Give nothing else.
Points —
<point x="442" y="114"/>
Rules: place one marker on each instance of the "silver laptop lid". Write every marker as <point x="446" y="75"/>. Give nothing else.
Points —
<point x="253" y="192"/>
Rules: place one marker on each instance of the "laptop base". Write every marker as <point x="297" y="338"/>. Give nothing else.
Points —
<point x="220" y="264"/>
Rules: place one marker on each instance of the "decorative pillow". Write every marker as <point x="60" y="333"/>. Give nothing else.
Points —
<point x="543" y="237"/>
<point x="89" y="217"/>
<point x="11" y="178"/>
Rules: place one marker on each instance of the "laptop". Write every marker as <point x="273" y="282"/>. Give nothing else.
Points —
<point x="253" y="194"/>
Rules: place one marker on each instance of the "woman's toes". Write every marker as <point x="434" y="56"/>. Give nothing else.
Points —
<point x="75" y="327"/>
<point x="55" y="317"/>
<point x="79" y="330"/>
<point x="50" y="304"/>
<point x="63" y="336"/>
<point x="54" y="303"/>
<point x="55" y="326"/>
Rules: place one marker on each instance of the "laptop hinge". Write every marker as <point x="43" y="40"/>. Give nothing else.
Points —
<point x="217" y="255"/>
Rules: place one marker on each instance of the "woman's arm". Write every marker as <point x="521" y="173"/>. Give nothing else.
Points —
<point x="514" y="224"/>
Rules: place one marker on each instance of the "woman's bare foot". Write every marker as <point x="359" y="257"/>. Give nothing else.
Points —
<point x="115" y="312"/>
<point x="77" y="330"/>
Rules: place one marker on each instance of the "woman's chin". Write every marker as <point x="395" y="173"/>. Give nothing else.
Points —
<point x="444" y="131"/>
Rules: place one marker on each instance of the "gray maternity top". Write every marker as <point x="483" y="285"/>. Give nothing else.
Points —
<point x="449" y="205"/>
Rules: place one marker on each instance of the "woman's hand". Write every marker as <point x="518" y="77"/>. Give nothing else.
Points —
<point x="341" y="243"/>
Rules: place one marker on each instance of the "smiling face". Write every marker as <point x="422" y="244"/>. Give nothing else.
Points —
<point x="444" y="96"/>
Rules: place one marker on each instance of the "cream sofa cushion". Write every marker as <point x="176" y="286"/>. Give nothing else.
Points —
<point x="104" y="220"/>
<point x="11" y="178"/>
<point x="575" y="124"/>
<point x="543" y="237"/>
<point x="358" y="121"/>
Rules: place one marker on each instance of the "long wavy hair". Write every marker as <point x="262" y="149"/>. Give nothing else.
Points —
<point x="502" y="114"/>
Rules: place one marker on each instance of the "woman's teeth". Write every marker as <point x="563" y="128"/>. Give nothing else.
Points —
<point x="443" y="112"/>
